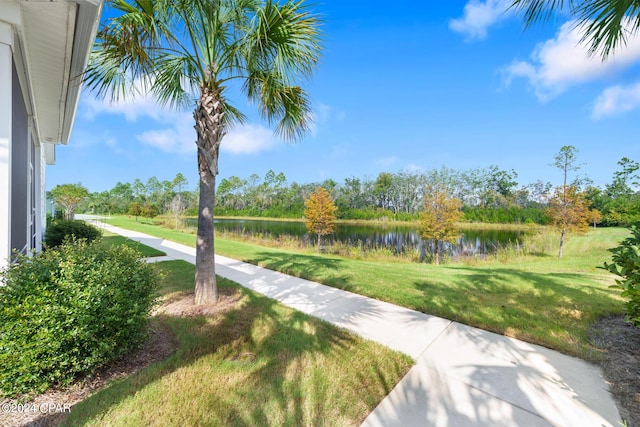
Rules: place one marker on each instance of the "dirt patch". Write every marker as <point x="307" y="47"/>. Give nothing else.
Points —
<point x="620" y="364"/>
<point x="185" y="305"/>
<point x="49" y="409"/>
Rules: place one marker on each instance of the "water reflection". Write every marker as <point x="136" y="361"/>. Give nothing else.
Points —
<point x="400" y="239"/>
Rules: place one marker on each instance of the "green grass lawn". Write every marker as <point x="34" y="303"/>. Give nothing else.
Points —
<point x="110" y="239"/>
<point x="540" y="299"/>
<point x="301" y="371"/>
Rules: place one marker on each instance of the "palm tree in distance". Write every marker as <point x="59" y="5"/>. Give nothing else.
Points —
<point x="188" y="52"/>
<point x="606" y="24"/>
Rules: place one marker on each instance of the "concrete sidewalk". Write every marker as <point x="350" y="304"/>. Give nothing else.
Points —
<point x="463" y="376"/>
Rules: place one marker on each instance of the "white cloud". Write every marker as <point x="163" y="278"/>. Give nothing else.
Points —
<point x="563" y="61"/>
<point x="141" y="104"/>
<point x="616" y="100"/>
<point x="82" y="139"/>
<point x="322" y="115"/>
<point x="111" y="142"/>
<point x="248" y="139"/>
<point x="179" y="138"/>
<point x="386" y="161"/>
<point x="478" y="16"/>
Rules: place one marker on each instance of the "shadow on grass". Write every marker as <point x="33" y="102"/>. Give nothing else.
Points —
<point x="329" y="271"/>
<point x="550" y="309"/>
<point x="210" y="380"/>
<point x="146" y="251"/>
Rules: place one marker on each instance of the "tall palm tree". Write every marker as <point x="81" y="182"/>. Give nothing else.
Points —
<point x="607" y="24"/>
<point x="188" y="52"/>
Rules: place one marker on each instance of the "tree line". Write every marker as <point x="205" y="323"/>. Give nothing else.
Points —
<point x="486" y="195"/>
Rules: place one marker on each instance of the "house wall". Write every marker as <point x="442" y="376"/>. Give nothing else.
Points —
<point x="43" y="47"/>
<point x="20" y="168"/>
<point x="6" y="83"/>
<point x="22" y="165"/>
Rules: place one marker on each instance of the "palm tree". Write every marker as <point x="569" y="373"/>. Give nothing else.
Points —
<point x="607" y="24"/>
<point x="187" y="52"/>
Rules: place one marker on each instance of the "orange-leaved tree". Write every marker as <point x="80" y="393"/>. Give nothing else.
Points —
<point x="439" y="217"/>
<point x="568" y="211"/>
<point x="595" y="217"/>
<point x="320" y="213"/>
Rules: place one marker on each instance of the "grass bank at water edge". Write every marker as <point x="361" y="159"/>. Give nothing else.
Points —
<point x="540" y="299"/>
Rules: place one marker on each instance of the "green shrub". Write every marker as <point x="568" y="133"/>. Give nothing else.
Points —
<point x="626" y="264"/>
<point x="69" y="310"/>
<point x="60" y="230"/>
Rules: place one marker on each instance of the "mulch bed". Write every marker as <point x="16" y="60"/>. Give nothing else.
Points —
<point x="620" y="363"/>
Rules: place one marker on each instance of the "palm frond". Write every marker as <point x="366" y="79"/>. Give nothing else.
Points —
<point x="128" y="45"/>
<point x="537" y="11"/>
<point x="285" y="38"/>
<point x="174" y="84"/>
<point x="297" y="113"/>
<point x="607" y="24"/>
<point x="232" y="115"/>
<point x="181" y="46"/>
<point x="277" y="102"/>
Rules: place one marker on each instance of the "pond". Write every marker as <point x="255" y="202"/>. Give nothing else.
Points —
<point x="400" y="239"/>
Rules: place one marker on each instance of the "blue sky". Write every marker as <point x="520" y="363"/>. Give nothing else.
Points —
<point x="411" y="86"/>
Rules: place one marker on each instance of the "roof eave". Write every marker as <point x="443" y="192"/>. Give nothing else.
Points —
<point x="87" y="21"/>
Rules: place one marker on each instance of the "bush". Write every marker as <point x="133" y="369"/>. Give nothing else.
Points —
<point x="626" y="264"/>
<point x="69" y="310"/>
<point x="61" y="230"/>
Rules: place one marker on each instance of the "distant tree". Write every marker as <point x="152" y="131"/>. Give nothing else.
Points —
<point x="499" y="186"/>
<point x="439" y="217"/>
<point x="382" y="188"/>
<point x="69" y="196"/>
<point x="320" y="213"/>
<point x="539" y="192"/>
<point x="120" y="197"/>
<point x="568" y="211"/>
<point x="622" y="198"/>
<point x="149" y="211"/>
<point x="135" y="209"/>
<point x="168" y="187"/>
<point x="154" y="189"/>
<point x="594" y="216"/>
<point x="177" y="206"/>
<point x="138" y="188"/>
<point x="180" y="182"/>
<point x="566" y="160"/>
<point x="625" y="180"/>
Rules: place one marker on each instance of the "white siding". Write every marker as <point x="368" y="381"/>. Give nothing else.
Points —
<point x="6" y="41"/>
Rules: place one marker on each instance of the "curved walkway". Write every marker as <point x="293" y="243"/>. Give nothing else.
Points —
<point x="463" y="376"/>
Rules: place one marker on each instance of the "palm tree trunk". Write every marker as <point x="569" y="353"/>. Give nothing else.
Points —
<point x="210" y="130"/>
